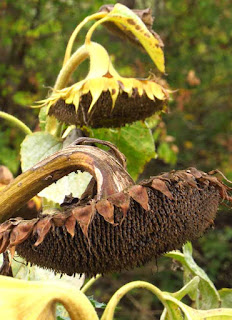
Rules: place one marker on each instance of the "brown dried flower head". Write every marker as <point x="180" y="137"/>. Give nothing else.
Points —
<point x="117" y="224"/>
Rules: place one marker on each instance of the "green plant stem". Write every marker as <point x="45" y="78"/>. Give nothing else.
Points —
<point x="52" y="125"/>
<point x="91" y="30"/>
<point x="69" y="47"/>
<point x="77" y="58"/>
<point x="16" y="122"/>
<point x="118" y="295"/>
<point x="90" y="283"/>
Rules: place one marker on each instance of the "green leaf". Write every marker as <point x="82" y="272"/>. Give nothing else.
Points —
<point x="193" y="314"/>
<point x="124" y="16"/>
<point x="166" y="153"/>
<point x="206" y="296"/>
<point x="190" y="286"/>
<point x="61" y="312"/>
<point x="135" y="141"/>
<point x="96" y="304"/>
<point x="36" y="147"/>
<point x="40" y="145"/>
<point x="226" y="297"/>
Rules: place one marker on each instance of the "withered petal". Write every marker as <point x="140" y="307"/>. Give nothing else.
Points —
<point x="139" y="194"/>
<point x="84" y="216"/>
<point x="41" y="229"/>
<point x="122" y="201"/>
<point x="22" y="231"/>
<point x="4" y="240"/>
<point x="106" y="209"/>
<point x="70" y="225"/>
<point x="59" y="219"/>
<point x="161" y="186"/>
<point x="9" y="224"/>
<point x="196" y="173"/>
<point x="187" y="178"/>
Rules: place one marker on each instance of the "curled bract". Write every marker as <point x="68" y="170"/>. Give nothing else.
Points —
<point x="120" y="226"/>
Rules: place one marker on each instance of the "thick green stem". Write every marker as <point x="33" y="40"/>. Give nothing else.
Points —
<point x="52" y="125"/>
<point x="90" y="283"/>
<point x="77" y="58"/>
<point x="118" y="295"/>
<point x="16" y="122"/>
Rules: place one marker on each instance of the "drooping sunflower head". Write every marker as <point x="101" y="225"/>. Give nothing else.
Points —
<point x="104" y="98"/>
<point x="116" y="224"/>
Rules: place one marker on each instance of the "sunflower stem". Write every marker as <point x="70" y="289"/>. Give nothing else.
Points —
<point x="52" y="125"/>
<point x="90" y="283"/>
<point x="92" y="29"/>
<point x="16" y="122"/>
<point x="118" y="295"/>
<point x="69" y="47"/>
<point x="111" y="177"/>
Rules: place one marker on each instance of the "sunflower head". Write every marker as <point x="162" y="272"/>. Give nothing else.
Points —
<point x="104" y="98"/>
<point x="116" y="224"/>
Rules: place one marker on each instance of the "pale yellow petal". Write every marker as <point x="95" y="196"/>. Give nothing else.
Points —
<point x="96" y="87"/>
<point x="139" y="86"/>
<point x="148" y="90"/>
<point x="126" y="85"/>
<point x="158" y="91"/>
<point x="76" y="100"/>
<point x="114" y="91"/>
<point x="70" y="98"/>
<point x="124" y="18"/>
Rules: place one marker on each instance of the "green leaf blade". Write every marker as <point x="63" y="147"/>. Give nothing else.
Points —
<point x="135" y="141"/>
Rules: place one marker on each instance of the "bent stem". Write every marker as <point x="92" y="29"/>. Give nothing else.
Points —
<point x="52" y="125"/>
<point x="86" y="51"/>
<point x="69" y="47"/>
<point x="36" y="300"/>
<point x="118" y="295"/>
<point x="16" y="122"/>
<point x="90" y="283"/>
<point x="91" y="30"/>
<point x="109" y="174"/>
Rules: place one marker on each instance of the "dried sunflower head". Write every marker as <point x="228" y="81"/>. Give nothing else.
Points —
<point x="104" y="98"/>
<point x="116" y="224"/>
